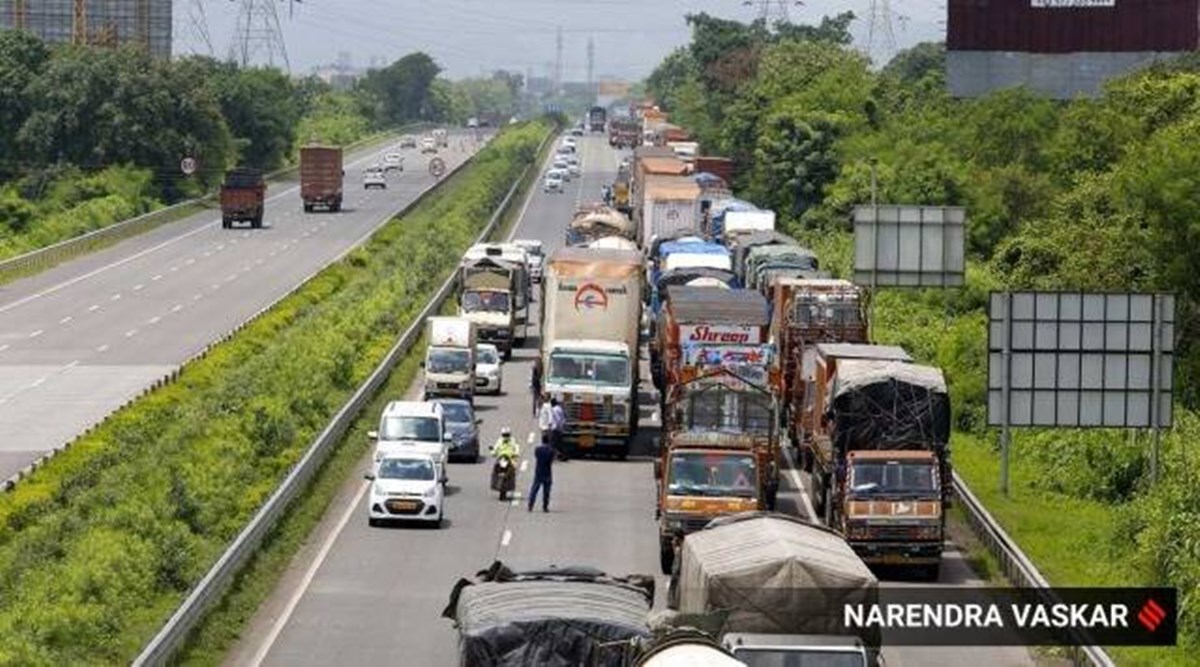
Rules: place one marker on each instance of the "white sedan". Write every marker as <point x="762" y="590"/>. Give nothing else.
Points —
<point x="488" y="369"/>
<point x="393" y="162"/>
<point x="405" y="487"/>
<point x="573" y="166"/>
<point x="553" y="182"/>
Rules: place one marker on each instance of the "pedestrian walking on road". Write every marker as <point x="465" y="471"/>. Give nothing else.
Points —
<point x="542" y="474"/>
<point x="535" y="384"/>
<point x="558" y="424"/>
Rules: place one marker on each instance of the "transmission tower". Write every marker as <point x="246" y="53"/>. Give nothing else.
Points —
<point x="773" y="11"/>
<point x="591" y="64"/>
<point x="558" y="61"/>
<point x="196" y="28"/>
<point x="879" y="26"/>
<point x="258" y="32"/>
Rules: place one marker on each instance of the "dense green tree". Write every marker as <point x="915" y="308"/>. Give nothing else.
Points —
<point x="400" y="92"/>
<point x="796" y="159"/>
<point x="22" y="58"/>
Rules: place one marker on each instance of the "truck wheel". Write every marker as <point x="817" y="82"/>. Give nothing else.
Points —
<point x="772" y="497"/>
<point x="225" y="224"/>
<point x="666" y="556"/>
<point x="308" y="208"/>
<point x="931" y="572"/>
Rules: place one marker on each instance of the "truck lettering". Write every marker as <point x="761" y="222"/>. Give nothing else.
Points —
<point x="706" y="334"/>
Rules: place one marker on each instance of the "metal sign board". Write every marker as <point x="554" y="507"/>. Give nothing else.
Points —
<point x="188" y="166"/>
<point x="437" y="167"/>
<point x="1071" y="4"/>
<point x="909" y="246"/>
<point x="1078" y="359"/>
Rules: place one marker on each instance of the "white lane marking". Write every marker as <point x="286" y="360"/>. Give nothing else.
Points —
<point x="121" y="262"/>
<point x="116" y="297"/>
<point x="131" y="333"/>
<point x="94" y="308"/>
<point x="529" y="195"/>
<point x="37" y="333"/>
<point x="307" y="580"/>
<point x="102" y="348"/>
<point x="220" y="247"/>
<point x="37" y="383"/>
<point x="177" y="307"/>
<point x="197" y="297"/>
<point x="66" y="319"/>
<point x="506" y="538"/>
<point x="257" y="261"/>
<point x="155" y="320"/>
<point x="531" y="438"/>
<point x="174" y="269"/>
<point x="157" y="277"/>
<point x="795" y="477"/>
<point x="3" y="347"/>
<point x="190" y="260"/>
<point x="137" y="287"/>
<point x="231" y="277"/>
<point x="524" y="465"/>
<point x="208" y="253"/>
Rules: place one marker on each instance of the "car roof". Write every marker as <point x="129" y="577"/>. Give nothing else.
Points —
<point x="406" y="455"/>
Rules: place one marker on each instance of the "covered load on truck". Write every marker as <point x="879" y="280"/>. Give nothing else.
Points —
<point x="243" y="197"/>
<point x="557" y="616"/>
<point x="776" y="575"/>
<point x="321" y="176"/>
<point x="764" y="263"/>
<point x="598" y="222"/>
<point x="740" y="246"/>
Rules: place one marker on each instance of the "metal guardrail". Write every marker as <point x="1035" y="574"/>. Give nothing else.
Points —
<point x="38" y="260"/>
<point x="210" y="589"/>
<point x="1014" y="564"/>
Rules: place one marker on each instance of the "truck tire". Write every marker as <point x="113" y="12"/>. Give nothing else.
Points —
<point x="308" y="207"/>
<point x="337" y="206"/>
<point x="772" y="497"/>
<point x="257" y="222"/>
<point x="666" y="555"/>
<point x="931" y="572"/>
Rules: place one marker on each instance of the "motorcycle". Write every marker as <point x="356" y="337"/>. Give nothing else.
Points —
<point x="504" y="476"/>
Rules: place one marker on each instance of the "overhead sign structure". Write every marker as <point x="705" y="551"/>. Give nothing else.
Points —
<point x="188" y="166"/>
<point x="909" y="246"/>
<point x="437" y="167"/>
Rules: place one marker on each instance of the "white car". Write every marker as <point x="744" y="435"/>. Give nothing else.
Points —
<point x="569" y="141"/>
<point x="393" y="162"/>
<point x="553" y="182"/>
<point x="405" y="487"/>
<point x="488" y="369"/>
<point x="428" y="145"/>
<point x="374" y="177"/>
<point x="565" y="149"/>
<point x="561" y="165"/>
<point x="408" y="141"/>
<point x="413" y="426"/>
<point x="573" y="166"/>
<point x="537" y="257"/>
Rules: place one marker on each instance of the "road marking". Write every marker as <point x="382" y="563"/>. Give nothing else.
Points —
<point x="157" y="277"/>
<point x="531" y="438"/>
<point x="137" y="287"/>
<point x="257" y="261"/>
<point x="177" y="307"/>
<point x="37" y="333"/>
<point x="197" y="297"/>
<point x="116" y="297"/>
<point x="208" y="253"/>
<point x="102" y="348"/>
<point x="66" y="319"/>
<point x="94" y="308"/>
<point x="3" y="347"/>
<point x="524" y="465"/>
<point x="231" y="277"/>
<point x="220" y="247"/>
<point x="37" y="383"/>
<point x="307" y="580"/>
<point x="130" y="333"/>
<point x="506" y="538"/>
<point x="190" y="260"/>
<point x="155" y="320"/>
<point x="795" y="477"/>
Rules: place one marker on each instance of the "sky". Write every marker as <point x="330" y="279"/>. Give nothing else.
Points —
<point x="473" y="37"/>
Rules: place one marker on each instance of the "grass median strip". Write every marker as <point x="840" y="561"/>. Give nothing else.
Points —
<point x="101" y="544"/>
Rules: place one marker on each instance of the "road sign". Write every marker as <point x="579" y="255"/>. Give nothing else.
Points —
<point x="909" y="246"/>
<point x="437" y="167"/>
<point x="188" y="166"/>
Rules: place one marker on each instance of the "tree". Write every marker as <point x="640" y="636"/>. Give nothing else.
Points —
<point x="400" y="92"/>
<point x="259" y="105"/>
<point x="913" y="66"/>
<point x="795" y="159"/>
<point x="22" y="58"/>
<point x="676" y="70"/>
<point x="835" y="30"/>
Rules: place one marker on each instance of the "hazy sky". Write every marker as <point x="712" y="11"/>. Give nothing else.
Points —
<point x="468" y="37"/>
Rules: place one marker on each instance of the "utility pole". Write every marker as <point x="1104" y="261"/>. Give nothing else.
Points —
<point x="591" y="64"/>
<point x="879" y="25"/>
<point x="558" y="62"/>
<point x="773" y="11"/>
<point x="258" y="32"/>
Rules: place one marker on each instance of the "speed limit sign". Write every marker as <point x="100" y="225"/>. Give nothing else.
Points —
<point x="188" y="166"/>
<point x="437" y="167"/>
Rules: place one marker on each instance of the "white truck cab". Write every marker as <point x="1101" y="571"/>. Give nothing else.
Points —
<point x="450" y="358"/>
<point x="413" y="426"/>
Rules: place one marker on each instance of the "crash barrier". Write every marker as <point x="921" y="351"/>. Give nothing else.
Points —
<point x="41" y="259"/>
<point x="210" y="589"/>
<point x="1015" y="565"/>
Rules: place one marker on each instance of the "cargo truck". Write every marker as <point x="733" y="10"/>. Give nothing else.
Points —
<point x="599" y="222"/>
<point x="591" y="319"/>
<point x="623" y="133"/>
<point x="516" y="255"/>
<point x="882" y="457"/>
<point x="450" y="358"/>
<point x="704" y="316"/>
<point x="488" y="299"/>
<point x="243" y="198"/>
<point x="772" y="588"/>
<point x="321" y="174"/>
<point x="669" y="205"/>
<point x="597" y="118"/>
<point x="765" y="263"/>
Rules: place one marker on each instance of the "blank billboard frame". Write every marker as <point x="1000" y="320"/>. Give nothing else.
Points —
<point x="909" y="246"/>
<point x="1081" y="359"/>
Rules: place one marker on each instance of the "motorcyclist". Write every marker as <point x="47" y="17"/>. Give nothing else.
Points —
<point x="504" y="472"/>
<point x="506" y="447"/>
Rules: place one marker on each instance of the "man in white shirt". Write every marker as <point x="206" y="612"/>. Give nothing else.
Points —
<point x="558" y="423"/>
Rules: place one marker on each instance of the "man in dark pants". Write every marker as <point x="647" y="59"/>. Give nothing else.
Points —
<point x="542" y="476"/>
<point x="535" y="384"/>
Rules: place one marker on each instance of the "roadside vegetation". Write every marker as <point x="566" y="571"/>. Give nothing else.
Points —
<point x="100" y="545"/>
<point x="1090" y="194"/>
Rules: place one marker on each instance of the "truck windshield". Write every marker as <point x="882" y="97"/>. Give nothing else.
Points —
<point x="448" y="360"/>
<point x="719" y="409"/>
<point x="599" y="369"/>
<point x="410" y="428"/>
<point x="485" y="302"/>
<point x="697" y="474"/>
<point x="796" y="657"/>
<point x="884" y="477"/>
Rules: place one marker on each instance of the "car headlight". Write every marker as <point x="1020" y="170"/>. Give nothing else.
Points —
<point x="430" y="493"/>
<point x="378" y="490"/>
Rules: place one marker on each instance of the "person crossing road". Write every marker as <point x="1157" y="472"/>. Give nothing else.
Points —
<point x="542" y="473"/>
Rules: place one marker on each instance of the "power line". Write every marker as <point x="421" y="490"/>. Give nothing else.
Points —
<point x="558" y="62"/>
<point x="196" y="28"/>
<point x="773" y="11"/>
<point x="879" y="24"/>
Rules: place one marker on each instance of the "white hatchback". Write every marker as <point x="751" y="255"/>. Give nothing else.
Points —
<point x="405" y="487"/>
<point x="374" y="177"/>
<point x="553" y="182"/>
<point x="488" y="369"/>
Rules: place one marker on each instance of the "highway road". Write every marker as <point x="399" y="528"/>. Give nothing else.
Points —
<point x="81" y="339"/>
<point x="363" y="595"/>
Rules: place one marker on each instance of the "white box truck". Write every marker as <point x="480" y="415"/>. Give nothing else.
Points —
<point x="670" y="205"/>
<point x="592" y="303"/>
<point x="450" y="358"/>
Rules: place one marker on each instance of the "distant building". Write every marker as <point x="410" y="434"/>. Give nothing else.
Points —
<point x="1061" y="48"/>
<point x="108" y="23"/>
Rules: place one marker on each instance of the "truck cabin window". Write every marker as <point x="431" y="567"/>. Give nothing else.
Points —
<point x="405" y="469"/>
<point x="728" y="412"/>
<point x="882" y="477"/>
<point x="410" y="428"/>
<point x="445" y="360"/>
<point x="599" y="369"/>
<point x="485" y="302"/>
<point x="710" y="475"/>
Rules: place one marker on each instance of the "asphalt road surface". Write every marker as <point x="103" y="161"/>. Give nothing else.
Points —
<point x="360" y="595"/>
<point x="81" y="339"/>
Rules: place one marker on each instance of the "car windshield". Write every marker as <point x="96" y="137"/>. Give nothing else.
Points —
<point x="698" y="474"/>
<point x="407" y="469"/>
<point x="486" y="355"/>
<point x="410" y="428"/>
<point x="448" y="360"/>
<point x="884" y="477"/>
<point x="598" y="369"/>
<point x="458" y="413"/>
<point x="779" y="657"/>
<point x="484" y="301"/>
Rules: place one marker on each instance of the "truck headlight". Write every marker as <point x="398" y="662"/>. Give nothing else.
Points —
<point x="620" y="412"/>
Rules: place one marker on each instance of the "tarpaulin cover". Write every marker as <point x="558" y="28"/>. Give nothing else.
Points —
<point x="709" y="306"/>
<point x="695" y="247"/>
<point x="773" y="574"/>
<point x="889" y="405"/>
<point x="555" y="618"/>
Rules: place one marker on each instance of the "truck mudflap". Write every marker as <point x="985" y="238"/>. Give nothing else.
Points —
<point x="898" y="553"/>
<point x="588" y="437"/>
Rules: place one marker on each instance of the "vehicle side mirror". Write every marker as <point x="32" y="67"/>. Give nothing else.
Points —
<point x="369" y="476"/>
<point x="447" y="436"/>
<point x="478" y="421"/>
<point x="373" y="435"/>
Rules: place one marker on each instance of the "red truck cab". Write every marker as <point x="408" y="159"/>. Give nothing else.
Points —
<point x="243" y="198"/>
